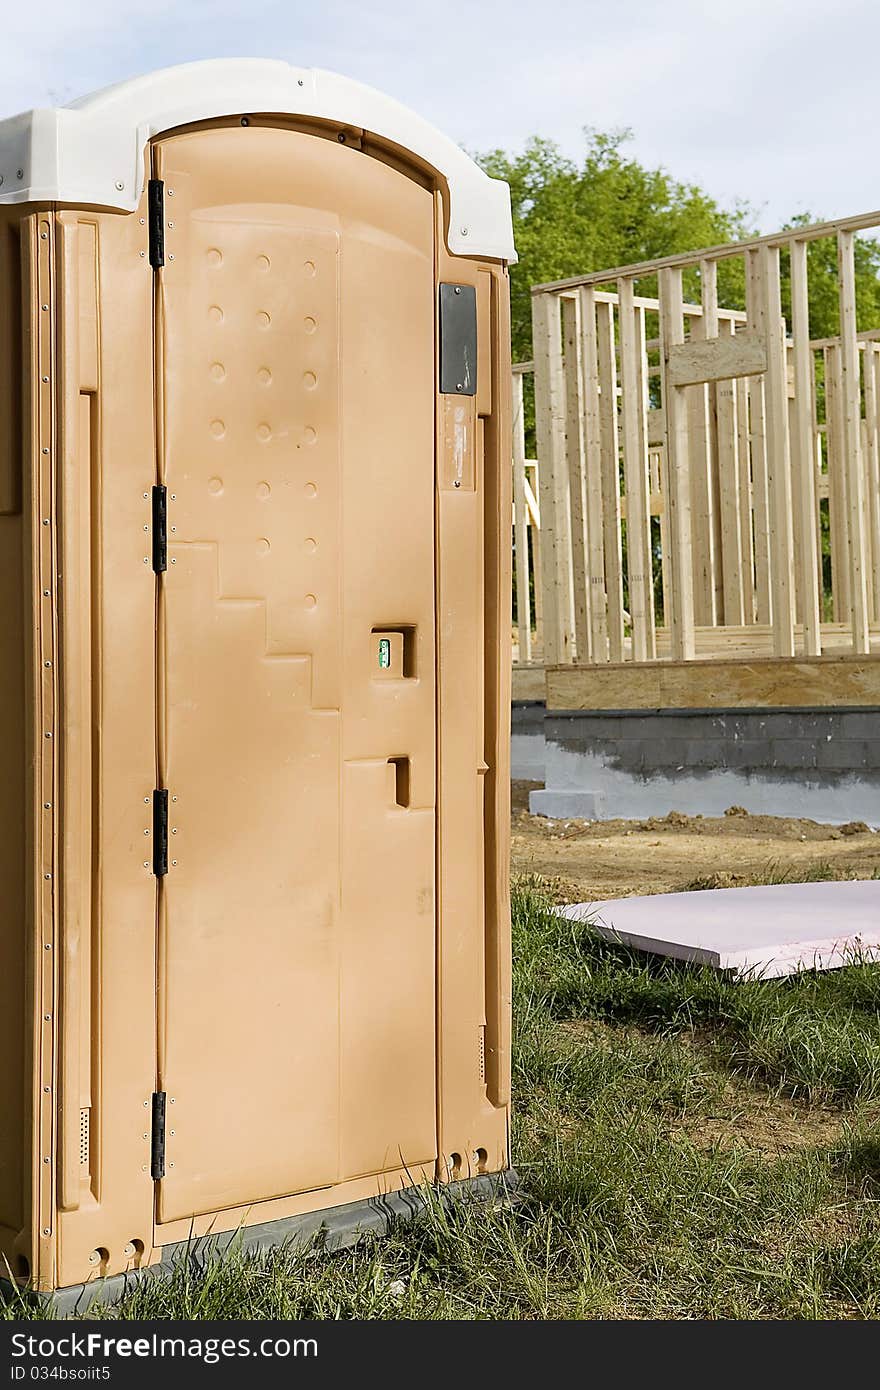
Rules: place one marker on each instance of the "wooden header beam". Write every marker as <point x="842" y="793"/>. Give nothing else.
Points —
<point x="758" y="683"/>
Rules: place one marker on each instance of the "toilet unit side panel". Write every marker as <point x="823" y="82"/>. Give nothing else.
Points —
<point x="474" y="927"/>
<point x="19" y="750"/>
<point x="497" y="633"/>
<point x="107" y="767"/>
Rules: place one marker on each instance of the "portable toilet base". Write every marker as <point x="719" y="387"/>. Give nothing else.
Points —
<point x="337" y="1228"/>
<point x="254" y="665"/>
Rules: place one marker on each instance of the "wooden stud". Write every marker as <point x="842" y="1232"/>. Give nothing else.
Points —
<point x="802" y="451"/>
<point x="872" y="464"/>
<point x="658" y="508"/>
<point x="795" y="518"/>
<point x="778" y="457"/>
<point x="552" y="480"/>
<point x="520" y="524"/>
<point x="729" y="501"/>
<point x="758" y="452"/>
<point x="820" y="485"/>
<point x="644" y="379"/>
<point x="592" y="432"/>
<point x="612" y="540"/>
<point x="863" y="436"/>
<point x="534" y="512"/>
<point x="743" y="459"/>
<point x="675" y="457"/>
<point x="837" y="516"/>
<point x="701" y="432"/>
<point x="851" y="417"/>
<point x="635" y="465"/>
<point x="577" y="483"/>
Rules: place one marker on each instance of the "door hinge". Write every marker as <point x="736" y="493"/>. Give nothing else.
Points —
<point x="157" y="1146"/>
<point x="160" y="832"/>
<point x="160" y="529"/>
<point x="156" y="221"/>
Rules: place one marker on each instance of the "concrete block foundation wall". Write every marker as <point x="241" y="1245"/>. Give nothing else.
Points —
<point x="600" y="764"/>
<point x="527" y="745"/>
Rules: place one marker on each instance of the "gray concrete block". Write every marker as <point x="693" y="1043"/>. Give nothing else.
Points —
<point x="527" y="716"/>
<point x="667" y="752"/>
<point x="528" y="756"/>
<point x="636" y="755"/>
<point x="860" y="724"/>
<point x="583" y="727"/>
<point x="791" y="753"/>
<point x="842" y="754"/>
<point x="706" y="752"/>
<point x="745" y="753"/>
<point x="800" y="723"/>
<point x="567" y="805"/>
<point x="661" y="726"/>
<point x="777" y="762"/>
<point x="733" y="730"/>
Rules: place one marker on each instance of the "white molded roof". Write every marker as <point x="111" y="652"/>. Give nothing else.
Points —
<point x="91" y="152"/>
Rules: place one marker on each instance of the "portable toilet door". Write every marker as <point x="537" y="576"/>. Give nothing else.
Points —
<point x="254" y="554"/>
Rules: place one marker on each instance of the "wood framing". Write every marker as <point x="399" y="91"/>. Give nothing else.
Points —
<point x="708" y="474"/>
<point x="722" y="684"/>
<point x="715" y="359"/>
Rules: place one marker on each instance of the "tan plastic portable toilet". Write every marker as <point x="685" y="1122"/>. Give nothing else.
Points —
<point x="254" y="665"/>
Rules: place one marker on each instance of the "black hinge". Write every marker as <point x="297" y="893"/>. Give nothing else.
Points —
<point x="160" y="832"/>
<point x="157" y="1147"/>
<point x="156" y="221"/>
<point x="160" y="529"/>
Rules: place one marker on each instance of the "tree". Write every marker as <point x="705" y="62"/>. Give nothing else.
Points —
<point x="822" y="281"/>
<point x="570" y="219"/>
<point x="573" y="218"/>
<point x="609" y="210"/>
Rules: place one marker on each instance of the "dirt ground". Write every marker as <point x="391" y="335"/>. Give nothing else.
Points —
<point x="592" y="860"/>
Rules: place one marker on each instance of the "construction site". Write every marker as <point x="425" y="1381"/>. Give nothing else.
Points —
<point x="697" y="541"/>
<point x="440" y="665"/>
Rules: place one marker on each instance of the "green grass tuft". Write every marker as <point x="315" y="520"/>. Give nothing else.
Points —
<point x="688" y="1147"/>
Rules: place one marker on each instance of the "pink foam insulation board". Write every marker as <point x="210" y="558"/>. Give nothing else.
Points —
<point x="756" y="932"/>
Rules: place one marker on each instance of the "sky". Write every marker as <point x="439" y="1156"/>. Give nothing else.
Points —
<point x="771" y="102"/>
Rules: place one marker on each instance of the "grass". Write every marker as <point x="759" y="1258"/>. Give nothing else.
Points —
<point x="821" y="872"/>
<point x="687" y="1147"/>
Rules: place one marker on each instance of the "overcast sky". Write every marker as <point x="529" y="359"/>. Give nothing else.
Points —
<point x="770" y="101"/>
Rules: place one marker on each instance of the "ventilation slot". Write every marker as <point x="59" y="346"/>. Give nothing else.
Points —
<point x="84" y="1138"/>
<point x="483" y="1053"/>
<point x="401" y="781"/>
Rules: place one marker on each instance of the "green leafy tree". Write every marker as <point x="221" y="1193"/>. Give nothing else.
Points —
<point x="572" y="218"/>
<point x="822" y="281"/>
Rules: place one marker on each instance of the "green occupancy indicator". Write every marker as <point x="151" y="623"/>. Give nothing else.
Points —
<point x="384" y="654"/>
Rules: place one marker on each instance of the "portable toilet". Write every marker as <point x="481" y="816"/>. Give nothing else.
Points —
<point x="254" y="666"/>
